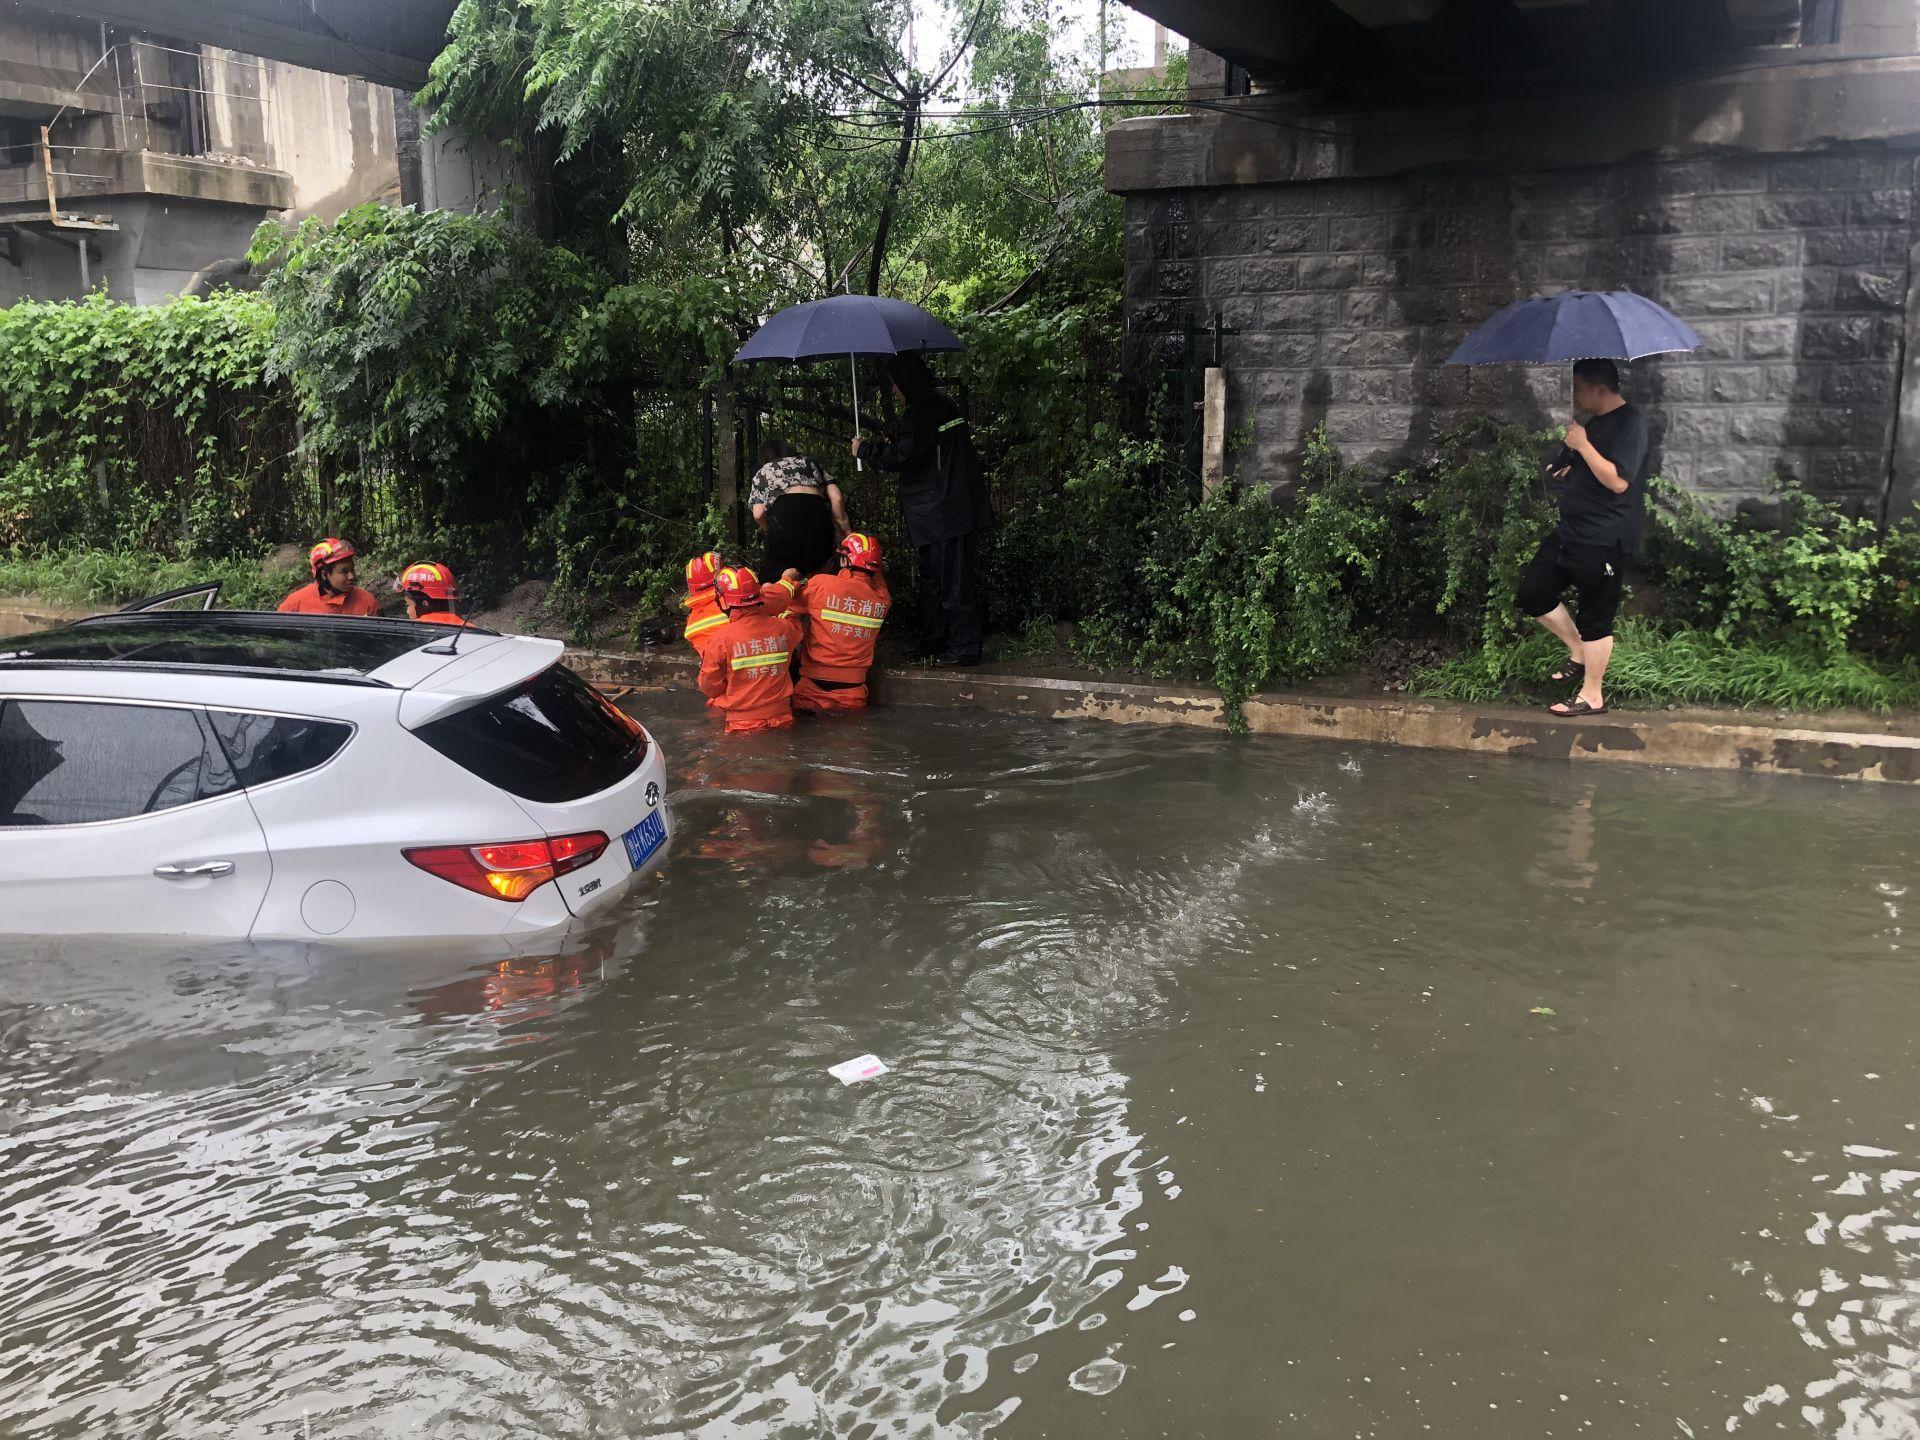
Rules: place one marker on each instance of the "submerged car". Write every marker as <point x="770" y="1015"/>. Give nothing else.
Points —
<point x="236" y="774"/>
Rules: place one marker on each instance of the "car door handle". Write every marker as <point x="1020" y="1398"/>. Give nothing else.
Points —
<point x="211" y="870"/>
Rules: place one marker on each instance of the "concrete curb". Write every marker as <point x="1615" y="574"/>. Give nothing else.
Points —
<point x="1649" y="739"/>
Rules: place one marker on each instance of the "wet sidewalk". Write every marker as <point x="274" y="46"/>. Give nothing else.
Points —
<point x="1884" y="749"/>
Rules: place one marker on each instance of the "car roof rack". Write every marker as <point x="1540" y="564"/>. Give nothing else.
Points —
<point x="249" y="643"/>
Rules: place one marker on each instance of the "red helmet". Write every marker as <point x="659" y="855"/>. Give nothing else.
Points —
<point x="737" y="586"/>
<point x="700" y="571"/>
<point x="860" y="552"/>
<point x="428" y="580"/>
<point x="329" y="551"/>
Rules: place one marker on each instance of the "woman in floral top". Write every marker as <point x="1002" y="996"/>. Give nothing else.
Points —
<point x="798" y="508"/>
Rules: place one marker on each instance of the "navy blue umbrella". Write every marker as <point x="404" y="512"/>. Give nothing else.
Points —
<point x="1579" y="325"/>
<point x="849" y="325"/>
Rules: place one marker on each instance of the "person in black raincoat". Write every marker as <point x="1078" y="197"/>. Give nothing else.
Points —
<point x="943" y="500"/>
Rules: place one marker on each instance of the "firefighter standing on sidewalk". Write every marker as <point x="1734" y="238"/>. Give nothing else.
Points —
<point x="844" y="613"/>
<point x="746" y="665"/>
<point x="430" y="592"/>
<point x="333" y="591"/>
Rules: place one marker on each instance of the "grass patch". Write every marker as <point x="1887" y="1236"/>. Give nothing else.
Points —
<point x="113" y="577"/>
<point x="1654" y="666"/>
<point x="1037" y="639"/>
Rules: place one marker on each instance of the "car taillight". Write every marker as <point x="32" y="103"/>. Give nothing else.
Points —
<point x="512" y="870"/>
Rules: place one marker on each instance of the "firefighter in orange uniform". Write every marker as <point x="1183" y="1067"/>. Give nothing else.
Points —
<point x="430" y="592"/>
<point x="746" y="668"/>
<point x="844" y="613"/>
<point x="701" y="603"/>
<point x="332" y="591"/>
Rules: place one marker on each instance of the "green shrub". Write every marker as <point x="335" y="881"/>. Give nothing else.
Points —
<point x="1808" y="580"/>
<point x="1481" y="511"/>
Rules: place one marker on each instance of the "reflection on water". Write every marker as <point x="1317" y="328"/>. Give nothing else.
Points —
<point x="1234" y="1089"/>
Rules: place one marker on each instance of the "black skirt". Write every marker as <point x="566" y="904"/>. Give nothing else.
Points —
<point x="800" y="536"/>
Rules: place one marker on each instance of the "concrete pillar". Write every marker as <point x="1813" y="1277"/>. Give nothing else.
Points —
<point x="1213" y="433"/>
<point x="1878" y="27"/>
<point x="1903" y="475"/>
<point x="452" y="170"/>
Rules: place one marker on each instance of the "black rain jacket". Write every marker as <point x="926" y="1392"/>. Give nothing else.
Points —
<point x="943" y="493"/>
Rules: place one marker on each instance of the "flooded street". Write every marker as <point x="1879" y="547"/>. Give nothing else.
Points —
<point x="1234" y="1089"/>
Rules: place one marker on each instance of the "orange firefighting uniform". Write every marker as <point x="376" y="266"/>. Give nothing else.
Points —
<point x="704" y="616"/>
<point x="844" y="613"/>
<point x="439" y="617"/>
<point x="746" y="665"/>
<point x="308" y="600"/>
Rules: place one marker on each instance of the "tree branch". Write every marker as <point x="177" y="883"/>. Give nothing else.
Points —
<point x="966" y="43"/>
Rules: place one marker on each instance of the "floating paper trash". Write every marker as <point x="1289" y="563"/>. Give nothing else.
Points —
<point x="852" y="1072"/>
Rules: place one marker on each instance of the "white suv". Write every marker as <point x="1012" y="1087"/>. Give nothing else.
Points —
<point x="228" y="773"/>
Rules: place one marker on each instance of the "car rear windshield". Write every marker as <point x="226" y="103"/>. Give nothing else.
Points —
<point x="552" y="739"/>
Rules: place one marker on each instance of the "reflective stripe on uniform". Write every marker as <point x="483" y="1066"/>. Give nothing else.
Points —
<point x="700" y="627"/>
<point x="760" y="662"/>
<point x="843" y="617"/>
<point x="957" y="420"/>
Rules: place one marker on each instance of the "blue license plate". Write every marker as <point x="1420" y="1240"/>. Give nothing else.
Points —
<point x="645" y="838"/>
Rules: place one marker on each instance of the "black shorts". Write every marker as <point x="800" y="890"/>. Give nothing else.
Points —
<point x="800" y="536"/>
<point x="1595" y="573"/>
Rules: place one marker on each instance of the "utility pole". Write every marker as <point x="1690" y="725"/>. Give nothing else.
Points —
<point x="1100" y="80"/>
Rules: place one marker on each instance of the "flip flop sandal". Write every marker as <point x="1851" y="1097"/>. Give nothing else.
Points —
<point x="1571" y="673"/>
<point x="1575" y="709"/>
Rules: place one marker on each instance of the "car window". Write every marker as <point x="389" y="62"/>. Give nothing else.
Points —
<point x="552" y="739"/>
<point x="272" y="747"/>
<point x="65" y="762"/>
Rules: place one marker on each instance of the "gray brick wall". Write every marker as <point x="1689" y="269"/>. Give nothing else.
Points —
<point x="1348" y="296"/>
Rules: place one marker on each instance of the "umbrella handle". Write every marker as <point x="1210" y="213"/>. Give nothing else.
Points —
<point x="853" y="368"/>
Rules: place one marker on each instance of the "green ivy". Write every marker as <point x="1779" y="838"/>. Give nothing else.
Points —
<point x="150" y="427"/>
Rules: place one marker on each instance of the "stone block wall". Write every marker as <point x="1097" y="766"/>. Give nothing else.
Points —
<point x="1346" y="296"/>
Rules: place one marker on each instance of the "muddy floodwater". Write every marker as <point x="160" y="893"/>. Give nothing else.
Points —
<point x="1233" y="1089"/>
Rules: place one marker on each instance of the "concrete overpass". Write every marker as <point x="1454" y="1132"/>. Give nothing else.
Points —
<point x="390" y="42"/>
<point x="1370" y="44"/>
<point x="1354" y="184"/>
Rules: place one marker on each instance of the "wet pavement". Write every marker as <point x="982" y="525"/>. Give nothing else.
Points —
<point x="1235" y="1088"/>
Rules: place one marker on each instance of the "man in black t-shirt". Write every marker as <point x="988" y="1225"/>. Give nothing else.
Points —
<point x="1604" y="465"/>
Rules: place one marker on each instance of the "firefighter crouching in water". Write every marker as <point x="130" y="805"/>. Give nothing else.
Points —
<point x="702" y="604"/>
<point x="333" y="591"/>
<point x="745" y="667"/>
<point x="844" y="613"/>
<point x="430" y="592"/>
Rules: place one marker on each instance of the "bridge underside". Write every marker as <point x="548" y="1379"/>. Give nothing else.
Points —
<point x="1373" y="45"/>
<point x="390" y="42"/>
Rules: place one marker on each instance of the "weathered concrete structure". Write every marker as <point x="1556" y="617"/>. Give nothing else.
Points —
<point x="178" y="125"/>
<point x="390" y="43"/>
<point x="1356" y="183"/>
<point x="162" y="156"/>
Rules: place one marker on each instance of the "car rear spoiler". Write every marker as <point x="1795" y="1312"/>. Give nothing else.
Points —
<point x="475" y="677"/>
